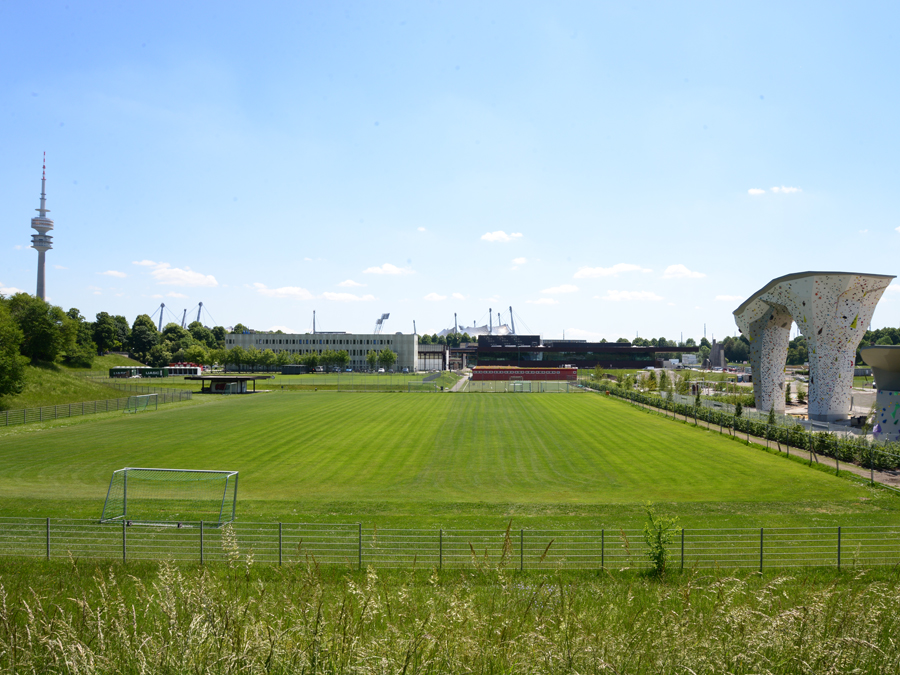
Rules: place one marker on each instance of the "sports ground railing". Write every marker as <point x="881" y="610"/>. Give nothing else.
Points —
<point x="52" y="412"/>
<point x="353" y="546"/>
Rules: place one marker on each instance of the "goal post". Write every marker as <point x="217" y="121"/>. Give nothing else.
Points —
<point x="140" y="403"/>
<point x="139" y="495"/>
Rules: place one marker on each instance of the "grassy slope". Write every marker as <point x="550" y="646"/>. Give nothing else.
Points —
<point x="55" y="384"/>
<point x="407" y="460"/>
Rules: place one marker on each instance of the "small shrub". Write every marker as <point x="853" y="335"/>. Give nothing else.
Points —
<point x="659" y="531"/>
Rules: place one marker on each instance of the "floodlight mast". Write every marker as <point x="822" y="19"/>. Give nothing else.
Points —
<point x="455" y="325"/>
<point x="199" y="309"/>
<point x="490" y="320"/>
<point x="379" y="323"/>
<point x="183" y="318"/>
<point x="162" y="306"/>
<point x="512" y="322"/>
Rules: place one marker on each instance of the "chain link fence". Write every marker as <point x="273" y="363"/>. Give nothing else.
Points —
<point x="52" y="412"/>
<point x="352" y="546"/>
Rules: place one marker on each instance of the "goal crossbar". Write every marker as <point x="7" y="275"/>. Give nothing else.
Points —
<point x="140" y="402"/>
<point x="155" y="495"/>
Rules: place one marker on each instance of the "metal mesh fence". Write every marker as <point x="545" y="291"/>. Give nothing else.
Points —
<point x="52" y="412"/>
<point x="352" y="546"/>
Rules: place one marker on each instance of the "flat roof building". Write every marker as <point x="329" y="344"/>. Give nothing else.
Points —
<point x="357" y="345"/>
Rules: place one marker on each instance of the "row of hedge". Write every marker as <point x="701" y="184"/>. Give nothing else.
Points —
<point x="856" y="449"/>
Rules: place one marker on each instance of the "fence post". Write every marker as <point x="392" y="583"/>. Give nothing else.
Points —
<point x="279" y="544"/>
<point x="124" y="540"/>
<point x="48" y="539"/>
<point x="201" y="542"/>
<point x="872" y="466"/>
<point x="602" y="548"/>
<point x="441" y="548"/>
<point x="682" y="548"/>
<point x="521" y="550"/>
<point x="360" y="544"/>
<point x="839" y="547"/>
<point x="760" y="549"/>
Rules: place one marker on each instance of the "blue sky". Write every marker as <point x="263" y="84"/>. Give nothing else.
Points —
<point x="607" y="169"/>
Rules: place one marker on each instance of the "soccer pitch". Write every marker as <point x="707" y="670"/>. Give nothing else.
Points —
<point x="407" y="460"/>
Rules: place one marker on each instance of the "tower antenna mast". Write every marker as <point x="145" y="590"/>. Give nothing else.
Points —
<point x="42" y="242"/>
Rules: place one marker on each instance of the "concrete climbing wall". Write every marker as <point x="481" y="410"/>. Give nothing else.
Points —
<point x="768" y="328"/>
<point x="887" y="407"/>
<point x="832" y="310"/>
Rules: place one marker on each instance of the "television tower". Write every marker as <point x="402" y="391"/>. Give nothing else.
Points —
<point x="42" y="241"/>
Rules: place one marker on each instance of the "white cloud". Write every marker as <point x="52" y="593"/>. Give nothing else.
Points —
<point x="347" y="297"/>
<point x="167" y="275"/>
<point x="543" y="301"/>
<point x="434" y="297"/>
<point x="565" y="288"/>
<point x="60" y="267"/>
<point x="283" y="292"/>
<point x="755" y="191"/>
<point x="786" y="190"/>
<point x="173" y="294"/>
<point x="421" y="229"/>
<point x="519" y="261"/>
<point x="459" y="296"/>
<point x="681" y="272"/>
<point x="897" y="228"/>
<point x="500" y="236"/>
<point x="671" y="304"/>
<point x="863" y="231"/>
<point x="156" y="295"/>
<point x="614" y="271"/>
<point x="9" y="290"/>
<point x="93" y="288"/>
<point x="387" y="268"/>
<point x="729" y="298"/>
<point x="18" y="247"/>
<point x="349" y="283"/>
<point x="631" y="296"/>
<point x="283" y="329"/>
<point x="114" y="273"/>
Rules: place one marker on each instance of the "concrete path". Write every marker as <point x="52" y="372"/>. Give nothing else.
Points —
<point x="462" y="383"/>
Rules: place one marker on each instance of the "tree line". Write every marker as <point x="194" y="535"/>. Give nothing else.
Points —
<point x="34" y="331"/>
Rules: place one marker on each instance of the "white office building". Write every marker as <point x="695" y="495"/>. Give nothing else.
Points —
<point x="357" y="345"/>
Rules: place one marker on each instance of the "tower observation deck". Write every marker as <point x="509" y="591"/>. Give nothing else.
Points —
<point x="42" y="242"/>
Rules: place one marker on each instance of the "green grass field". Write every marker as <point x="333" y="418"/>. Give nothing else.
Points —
<point x="414" y="460"/>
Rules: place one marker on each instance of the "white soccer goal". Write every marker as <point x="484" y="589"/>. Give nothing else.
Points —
<point x="164" y="496"/>
<point x="520" y="387"/>
<point x="140" y="403"/>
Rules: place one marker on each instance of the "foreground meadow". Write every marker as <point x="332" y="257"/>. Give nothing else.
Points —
<point x="407" y="460"/>
<point x="72" y="617"/>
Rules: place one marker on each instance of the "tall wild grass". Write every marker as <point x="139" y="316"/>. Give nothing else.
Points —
<point x="71" y="617"/>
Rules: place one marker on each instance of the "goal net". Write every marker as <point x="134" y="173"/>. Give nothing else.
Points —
<point x="136" y="404"/>
<point x="163" y="496"/>
<point x="520" y="387"/>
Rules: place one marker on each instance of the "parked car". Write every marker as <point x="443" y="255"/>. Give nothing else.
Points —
<point x="381" y="370"/>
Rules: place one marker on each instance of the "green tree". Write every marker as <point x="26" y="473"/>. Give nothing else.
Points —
<point x="372" y="359"/>
<point x="387" y="358"/>
<point x="106" y="334"/>
<point x="787" y="392"/>
<point x="123" y="331"/>
<point x="195" y="354"/>
<point x="47" y="331"/>
<point x="267" y="359"/>
<point x="202" y="335"/>
<point x="159" y="356"/>
<point x="651" y="380"/>
<point x="425" y="339"/>
<point x="219" y="333"/>
<point x="343" y="359"/>
<point x="236" y="357"/>
<point x="253" y="357"/>
<point x="82" y="354"/>
<point x="12" y="363"/>
<point x="282" y="358"/>
<point x="239" y="329"/>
